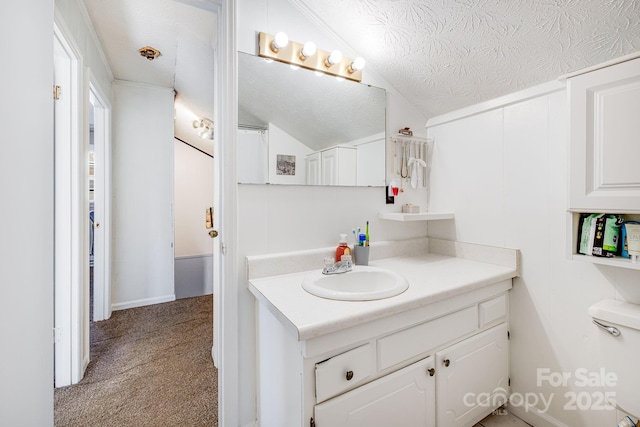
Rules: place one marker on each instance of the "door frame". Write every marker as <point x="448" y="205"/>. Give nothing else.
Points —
<point x="102" y="202"/>
<point x="71" y="257"/>
<point x="225" y="350"/>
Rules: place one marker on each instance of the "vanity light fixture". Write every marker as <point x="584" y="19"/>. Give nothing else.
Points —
<point x="280" y="41"/>
<point x="357" y="64"/>
<point x="280" y="48"/>
<point x="334" y="58"/>
<point x="308" y="50"/>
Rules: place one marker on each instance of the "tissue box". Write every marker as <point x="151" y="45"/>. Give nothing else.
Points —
<point x="409" y="208"/>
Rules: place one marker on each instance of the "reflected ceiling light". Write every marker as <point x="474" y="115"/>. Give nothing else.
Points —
<point x="205" y="126"/>
<point x="307" y="55"/>
<point x="280" y="41"/>
<point x="309" y="49"/>
<point x="357" y="64"/>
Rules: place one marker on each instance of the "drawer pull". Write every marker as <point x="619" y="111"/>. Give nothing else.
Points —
<point x="349" y="375"/>
<point x="431" y="372"/>
<point x="446" y="362"/>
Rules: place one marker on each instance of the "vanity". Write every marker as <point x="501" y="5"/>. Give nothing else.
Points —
<point x="437" y="354"/>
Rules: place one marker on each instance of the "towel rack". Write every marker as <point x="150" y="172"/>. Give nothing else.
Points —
<point x="405" y="147"/>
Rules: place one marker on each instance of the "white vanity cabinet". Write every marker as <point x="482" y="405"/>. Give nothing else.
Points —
<point x="443" y="364"/>
<point x="604" y="129"/>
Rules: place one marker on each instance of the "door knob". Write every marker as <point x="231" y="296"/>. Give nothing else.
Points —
<point x="349" y="375"/>
<point x="213" y="233"/>
<point x="97" y="225"/>
<point x="446" y="362"/>
<point x="431" y="372"/>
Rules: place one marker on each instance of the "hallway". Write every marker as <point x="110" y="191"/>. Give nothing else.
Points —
<point x="150" y="366"/>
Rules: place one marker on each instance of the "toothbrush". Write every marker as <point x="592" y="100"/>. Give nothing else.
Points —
<point x="367" y="234"/>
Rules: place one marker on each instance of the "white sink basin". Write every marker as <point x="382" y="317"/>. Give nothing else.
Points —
<point x="363" y="283"/>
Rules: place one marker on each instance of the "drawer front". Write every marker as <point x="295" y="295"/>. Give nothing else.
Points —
<point x="344" y="371"/>
<point x="493" y="311"/>
<point x="419" y="339"/>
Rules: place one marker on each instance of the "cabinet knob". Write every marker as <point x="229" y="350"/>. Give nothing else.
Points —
<point x="431" y="372"/>
<point x="447" y="362"/>
<point x="349" y="375"/>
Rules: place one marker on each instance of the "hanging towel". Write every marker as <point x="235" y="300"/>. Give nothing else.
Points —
<point x="416" y="167"/>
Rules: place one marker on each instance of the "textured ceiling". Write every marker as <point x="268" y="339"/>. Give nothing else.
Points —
<point x="443" y="55"/>
<point x="182" y="32"/>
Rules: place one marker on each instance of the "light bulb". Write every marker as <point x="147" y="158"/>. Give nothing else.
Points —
<point x="309" y="49"/>
<point x="281" y="40"/>
<point x="357" y="64"/>
<point x="334" y="58"/>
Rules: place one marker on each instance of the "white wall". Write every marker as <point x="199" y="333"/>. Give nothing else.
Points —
<point x="143" y="226"/>
<point x="79" y="26"/>
<point x="193" y="195"/>
<point x="370" y="162"/>
<point x="26" y="186"/>
<point x="253" y="152"/>
<point x="504" y="174"/>
<point x="282" y="218"/>
<point x="281" y="142"/>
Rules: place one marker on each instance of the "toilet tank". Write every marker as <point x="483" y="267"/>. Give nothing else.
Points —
<point x="619" y="345"/>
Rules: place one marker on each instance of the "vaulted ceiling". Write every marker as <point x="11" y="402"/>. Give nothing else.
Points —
<point x="441" y="55"/>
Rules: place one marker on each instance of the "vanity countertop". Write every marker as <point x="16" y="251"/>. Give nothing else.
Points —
<point x="432" y="278"/>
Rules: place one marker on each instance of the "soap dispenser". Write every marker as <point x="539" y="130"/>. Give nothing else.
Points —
<point x="343" y="248"/>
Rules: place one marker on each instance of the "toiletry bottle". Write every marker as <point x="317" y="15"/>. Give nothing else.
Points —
<point x="343" y="248"/>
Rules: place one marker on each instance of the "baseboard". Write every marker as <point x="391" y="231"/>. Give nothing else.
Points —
<point x="193" y="275"/>
<point x="213" y="357"/>
<point x="535" y="417"/>
<point x="143" y="302"/>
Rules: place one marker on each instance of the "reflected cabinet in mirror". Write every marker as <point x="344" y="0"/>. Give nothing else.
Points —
<point x="298" y="127"/>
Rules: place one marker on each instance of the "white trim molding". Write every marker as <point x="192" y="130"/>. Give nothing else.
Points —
<point x="500" y="102"/>
<point x="143" y="302"/>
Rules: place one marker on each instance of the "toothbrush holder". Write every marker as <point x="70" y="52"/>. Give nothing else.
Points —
<point x="361" y="255"/>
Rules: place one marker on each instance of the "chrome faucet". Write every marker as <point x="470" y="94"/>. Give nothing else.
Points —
<point x="338" y="268"/>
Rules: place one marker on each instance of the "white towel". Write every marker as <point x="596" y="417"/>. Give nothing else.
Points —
<point x="416" y="166"/>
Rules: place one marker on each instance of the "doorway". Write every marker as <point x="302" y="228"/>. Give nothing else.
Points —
<point x="99" y="206"/>
<point x="68" y="244"/>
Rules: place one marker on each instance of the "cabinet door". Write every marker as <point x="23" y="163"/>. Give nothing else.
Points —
<point x="604" y="129"/>
<point x="330" y="167"/>
<point x="404" y="398"/>
<point x="313" y="169"/>
<point x="472" y="378"/>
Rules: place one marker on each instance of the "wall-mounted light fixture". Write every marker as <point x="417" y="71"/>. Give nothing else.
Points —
<point x="205" y="127"/>
<point x="280" y="48"/>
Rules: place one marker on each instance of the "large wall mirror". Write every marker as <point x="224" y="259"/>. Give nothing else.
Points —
<point x="297" y="127"/>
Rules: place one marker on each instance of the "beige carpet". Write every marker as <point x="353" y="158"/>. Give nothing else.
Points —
<point x="150" y="366"/>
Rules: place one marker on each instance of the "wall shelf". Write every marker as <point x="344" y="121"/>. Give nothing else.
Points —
<point x="421" y="216"/>
<point x="613" y="262"/>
